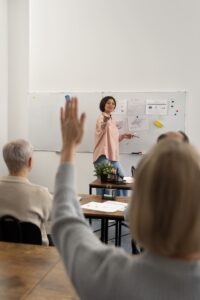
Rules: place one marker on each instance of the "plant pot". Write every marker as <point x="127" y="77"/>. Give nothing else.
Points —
<point x="104" y="178"/>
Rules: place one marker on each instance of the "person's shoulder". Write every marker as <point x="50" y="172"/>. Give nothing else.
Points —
<point x="40" y="189"/>
<point x="100" y="117"/>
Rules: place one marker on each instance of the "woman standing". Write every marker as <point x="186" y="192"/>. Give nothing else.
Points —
<point x="107" y="139"/>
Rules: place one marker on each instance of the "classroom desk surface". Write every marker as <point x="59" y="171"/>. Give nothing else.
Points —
<point x="33" y="272"/>
<point x="98" y="184"/>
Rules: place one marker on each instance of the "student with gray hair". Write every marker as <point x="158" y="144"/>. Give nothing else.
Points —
<point x="18" y="196"/>
<point x="164" y="217"/>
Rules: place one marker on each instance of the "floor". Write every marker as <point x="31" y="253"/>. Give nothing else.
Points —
<point x="125" y="240"/>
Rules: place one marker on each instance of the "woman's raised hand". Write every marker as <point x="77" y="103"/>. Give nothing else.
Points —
<point x="72" y="127"/>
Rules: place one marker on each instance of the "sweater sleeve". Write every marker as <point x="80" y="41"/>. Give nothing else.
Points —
<point x="88" y="261"/>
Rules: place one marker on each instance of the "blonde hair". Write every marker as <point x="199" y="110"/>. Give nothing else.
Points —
<point x="165" y="209"/>
<point x="16" y="155"/>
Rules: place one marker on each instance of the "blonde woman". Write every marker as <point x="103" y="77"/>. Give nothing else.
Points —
<point x="164" y="218"/>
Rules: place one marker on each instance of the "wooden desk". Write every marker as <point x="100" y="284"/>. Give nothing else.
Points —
<point x="118" y="216"/>
<point x="33" y="272"/>
<point x="98" y="184"/>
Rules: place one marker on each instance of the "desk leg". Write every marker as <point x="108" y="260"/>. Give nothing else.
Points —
<point x="120" y="233"/>
<point x="90" y="192"/>
<point x="104" y="230"/>
<point x="118" y="227"/>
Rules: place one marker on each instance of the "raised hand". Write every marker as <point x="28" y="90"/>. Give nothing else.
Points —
<point x="72" y="128"/>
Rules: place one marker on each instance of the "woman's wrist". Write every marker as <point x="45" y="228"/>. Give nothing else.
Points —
<point x="68" y="154"/>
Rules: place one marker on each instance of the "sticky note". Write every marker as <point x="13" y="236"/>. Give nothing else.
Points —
<point x="158" y="124"/>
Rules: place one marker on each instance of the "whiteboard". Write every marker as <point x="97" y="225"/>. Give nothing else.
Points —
<point x="136" y="112"/>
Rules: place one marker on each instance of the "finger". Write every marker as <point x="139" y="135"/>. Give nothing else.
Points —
<point x="72" y="107"/>
<point x="61" y="118"/>
<point x="75" y="108"/>
<point x="81" y="128"/>
<point x="82" y="120"/>
<point x="61" y="115"/>
<point x="67" y="109"/>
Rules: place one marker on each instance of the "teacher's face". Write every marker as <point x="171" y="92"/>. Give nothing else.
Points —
<point x="109" y="106"/>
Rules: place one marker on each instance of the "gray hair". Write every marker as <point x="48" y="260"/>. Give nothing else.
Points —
<point x="16" y="154"/>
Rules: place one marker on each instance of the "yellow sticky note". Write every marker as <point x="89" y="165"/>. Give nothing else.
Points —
<point x="158" y="124"/>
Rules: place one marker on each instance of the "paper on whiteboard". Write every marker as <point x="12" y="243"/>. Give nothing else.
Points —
<point x="136" y="107"/>
<point x="121" y="107"/>
<point x="138" y="123"/>
<point x="121" y="122"/>
<point x="156" y="107"/>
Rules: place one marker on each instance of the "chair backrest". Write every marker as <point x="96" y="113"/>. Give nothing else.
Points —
<point x="31" y="233"/>
<point x="13" y="230"/>
<point x="10" y="230"/>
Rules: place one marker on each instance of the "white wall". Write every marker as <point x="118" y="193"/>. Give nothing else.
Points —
<point x="18" y="68"/>
<point x="3" y="79"/>
<point x="137" y="45"/>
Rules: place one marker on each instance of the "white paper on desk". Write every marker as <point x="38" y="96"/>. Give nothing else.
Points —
<point x="120" y="206"/>
<point x="129" y="179"/>
<point x="98" y="206"/>
<point x="107" y="206"/>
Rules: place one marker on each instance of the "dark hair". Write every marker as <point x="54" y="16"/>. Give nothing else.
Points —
<point x="161" y="137"/>
<point x="103" y="102"/>
<point x="185" y="137"/>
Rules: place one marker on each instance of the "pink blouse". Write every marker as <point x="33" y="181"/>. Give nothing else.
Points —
<point x="106" y="139"/>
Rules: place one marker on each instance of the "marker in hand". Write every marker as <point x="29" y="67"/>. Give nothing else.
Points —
<point x="135" y="135"/>
<point x="130" y="135"/>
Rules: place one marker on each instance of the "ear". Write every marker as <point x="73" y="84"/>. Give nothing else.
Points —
<point x="30" y="163"/>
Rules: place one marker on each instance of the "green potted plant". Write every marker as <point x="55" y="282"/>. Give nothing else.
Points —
<point x="104" y="170"/>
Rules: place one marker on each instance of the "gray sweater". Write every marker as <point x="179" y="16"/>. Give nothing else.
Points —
<point x="102" y="272"/>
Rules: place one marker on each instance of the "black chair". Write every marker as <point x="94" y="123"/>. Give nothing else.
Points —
<point x="16" y="231"/>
